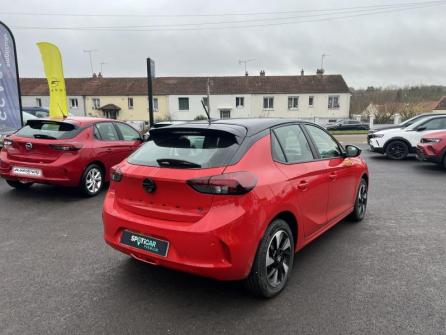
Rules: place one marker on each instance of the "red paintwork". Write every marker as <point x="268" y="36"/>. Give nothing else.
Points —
<point x="217" y="235"/>
<point x="434" y="152"/>
<point x="64" y="168"/>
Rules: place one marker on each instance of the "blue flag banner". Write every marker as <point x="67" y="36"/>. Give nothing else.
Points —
<point x="10" y="103"/>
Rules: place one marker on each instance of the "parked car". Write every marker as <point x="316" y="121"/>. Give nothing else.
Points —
<point x="26" y="116"/>
<point x="76" y="152"/>
<point x="39" y="112"/>
<point x="399" y="143"/>
<point x="234" y="199"/>
<point x="348" y="125"/>
<point x="432" y="148"/>
<point x="404" y="124"/>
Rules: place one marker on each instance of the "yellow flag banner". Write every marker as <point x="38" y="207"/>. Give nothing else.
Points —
<point x="52" y="63"/>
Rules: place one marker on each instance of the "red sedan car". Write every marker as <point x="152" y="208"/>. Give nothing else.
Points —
<point x="234" y="199"/>
<point x="432" y="148"/>
<point x="76" y="151"/>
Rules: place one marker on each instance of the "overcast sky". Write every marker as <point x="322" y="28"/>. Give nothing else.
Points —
<point x="391" y="48"/>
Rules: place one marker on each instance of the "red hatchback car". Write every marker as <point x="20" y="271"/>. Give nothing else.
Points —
<point x="234" y="199"/>
<point x="76" y="151"/>
<point x="432" y="148"/>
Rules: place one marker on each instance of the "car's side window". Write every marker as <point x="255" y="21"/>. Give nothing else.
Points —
<point x="292" y="143"/>
<point x="127" y="132"/>
<point x="326" y="146"/>
<point x="107" y="131"/>
<point x="435" y="124"/>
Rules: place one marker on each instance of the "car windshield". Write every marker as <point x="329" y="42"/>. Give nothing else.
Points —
<point x="186" y="149"/>
<point x="48" y="129"/>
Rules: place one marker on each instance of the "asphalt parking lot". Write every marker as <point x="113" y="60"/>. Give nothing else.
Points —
<point x="386" y="275"/>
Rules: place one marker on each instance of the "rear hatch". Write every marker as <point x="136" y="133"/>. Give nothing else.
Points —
<point x="155" y="178"/>
<point x="40" y="141"/>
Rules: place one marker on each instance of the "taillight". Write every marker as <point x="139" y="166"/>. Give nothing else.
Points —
<point x="116" y="174"/>
<point x="233" y="183"/>
<point x="66" y="147"/>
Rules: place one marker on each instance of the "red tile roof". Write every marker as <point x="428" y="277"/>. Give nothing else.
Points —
<point x="193" y="85"/>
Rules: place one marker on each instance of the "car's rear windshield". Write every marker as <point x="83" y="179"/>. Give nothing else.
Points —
<point x="186" y="149"/>
<point x="48" y="129"/>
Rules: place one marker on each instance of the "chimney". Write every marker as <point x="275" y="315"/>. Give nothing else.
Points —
<point x="302" y="72"/>
<point x="262" y="73"/>
<point x="320" y="72"/>
<point x="246" y="73"/>
<point x="94" y="75"/>
<point x="99" y="75"/>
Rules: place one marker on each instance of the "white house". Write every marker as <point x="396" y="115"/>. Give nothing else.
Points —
<point x="311" y="97"/>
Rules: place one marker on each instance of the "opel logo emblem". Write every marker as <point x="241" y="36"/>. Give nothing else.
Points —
<point x="149" y="185"/>
<point x="28" y="146"/>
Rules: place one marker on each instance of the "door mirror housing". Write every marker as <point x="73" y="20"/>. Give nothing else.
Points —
<point x="352" y="151"/>
<point x="421" y="128"/>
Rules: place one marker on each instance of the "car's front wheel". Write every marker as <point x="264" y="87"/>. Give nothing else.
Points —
<point x="273" y="262"/>
<point x="397" y="150"/>
<point x="92" y="180"/>
<point x="444" y="161"/>
<point x="18" y="184"/>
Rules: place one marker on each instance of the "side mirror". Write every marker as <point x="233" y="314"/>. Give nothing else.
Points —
<point x="421" y="128"/>
<point x="352" y="151"/>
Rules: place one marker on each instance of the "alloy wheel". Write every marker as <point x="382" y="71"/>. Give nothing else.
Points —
<point x="93" y="180"/>
<point x="397" y="150"/>
<point x="278" y="258"/>
<point x="362" y="200"/>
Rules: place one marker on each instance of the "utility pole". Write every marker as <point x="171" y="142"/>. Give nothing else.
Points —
<point x="89" y="52"/>
<point x="150" y="77"/>
<point x="245" y="61"/>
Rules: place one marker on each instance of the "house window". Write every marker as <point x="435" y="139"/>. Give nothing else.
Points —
<point x="183" y="104"/>
<point x="96" y="103"/>
<point x="38" y="102"/>
<point x="268" y="103"/>
<point x="74" y="103"/>
<point x="311" y="101"/>
<point x="130" y="103"/>
<point x="225" y="114"/>
<point x="293" y="102"/>
<point x="155" y="104"/>
<point x="239" y="102"/>
<point x="333" y="101"/>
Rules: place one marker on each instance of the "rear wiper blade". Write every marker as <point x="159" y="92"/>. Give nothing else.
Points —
<point x="44" y="136"/>
<point x="177" y="163"/>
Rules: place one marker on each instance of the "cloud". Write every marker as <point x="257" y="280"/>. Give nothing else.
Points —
<point x="399" y="48"/>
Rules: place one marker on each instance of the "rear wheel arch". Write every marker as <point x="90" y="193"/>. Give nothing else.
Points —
<point x="366" y="178"/>
<point x="291" y="220"/>
<point x="101" y="165"/>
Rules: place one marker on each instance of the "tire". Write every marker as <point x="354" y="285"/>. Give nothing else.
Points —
<point x="397" y="150"/>
<point x="18" y="184"/>
<point x="267" y="280"/>
<point x="360" y="207"/>
<point x="444" y="161"/>
<point x="92" y="181"/>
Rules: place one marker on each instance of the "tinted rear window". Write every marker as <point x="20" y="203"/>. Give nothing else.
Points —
<point x="48" y="130"/>
<point x="183" y="149"/>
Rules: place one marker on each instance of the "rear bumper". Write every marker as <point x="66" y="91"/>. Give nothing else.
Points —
<point x="63" y="172"/>
<point x="221" y="245"/>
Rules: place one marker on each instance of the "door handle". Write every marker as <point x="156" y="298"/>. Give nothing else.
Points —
<point x="303" y="185"/>
<point x="332" y="176"/>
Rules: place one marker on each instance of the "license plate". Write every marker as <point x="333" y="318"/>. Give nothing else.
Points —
<point x="24" y="171"/>
<point x="146" y="243"/>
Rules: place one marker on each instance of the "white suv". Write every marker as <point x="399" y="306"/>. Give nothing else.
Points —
<point x="398" y="143"/>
